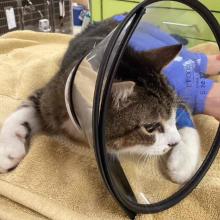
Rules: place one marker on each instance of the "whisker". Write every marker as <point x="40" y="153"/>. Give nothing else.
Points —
<point x="147" y="156"/>
<point x="140" y="158"/>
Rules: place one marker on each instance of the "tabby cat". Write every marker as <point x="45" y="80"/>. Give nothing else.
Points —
<point x="142" y="111"/>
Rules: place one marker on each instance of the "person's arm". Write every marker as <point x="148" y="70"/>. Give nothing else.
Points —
<point x="212" y="104"/>
<point x="186" y="73"/>
<point x="213" y="64"/>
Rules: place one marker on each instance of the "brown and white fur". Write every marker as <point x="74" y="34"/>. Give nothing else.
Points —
<point x="142" y="119"/>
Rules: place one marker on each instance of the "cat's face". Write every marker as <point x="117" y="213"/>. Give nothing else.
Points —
<point x="142" y="118"/>
<point x="141" y="123"/>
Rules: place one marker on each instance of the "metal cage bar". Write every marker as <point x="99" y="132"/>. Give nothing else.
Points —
<point x="29" y="12"/>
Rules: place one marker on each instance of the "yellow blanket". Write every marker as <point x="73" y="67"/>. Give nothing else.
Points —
<point x="59" y="179"/>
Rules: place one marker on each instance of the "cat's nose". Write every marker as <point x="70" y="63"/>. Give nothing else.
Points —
<point x="173" y="144"/>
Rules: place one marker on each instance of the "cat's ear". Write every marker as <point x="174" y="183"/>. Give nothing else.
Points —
<point x="121" y="91"/>
<point x="160" y="57"/>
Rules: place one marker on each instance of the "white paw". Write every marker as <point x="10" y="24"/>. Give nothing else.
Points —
<point x="180" y="164"/>
<point x="183" y="160"/>
<point x="12" y="147"/>
<point x="15" y="132"/>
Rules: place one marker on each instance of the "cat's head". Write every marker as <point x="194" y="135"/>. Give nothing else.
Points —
<point x="142" y="114"/>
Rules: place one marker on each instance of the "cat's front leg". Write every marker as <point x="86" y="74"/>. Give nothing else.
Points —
<point x="15" y="133"/>
<point x="183" y="160"/>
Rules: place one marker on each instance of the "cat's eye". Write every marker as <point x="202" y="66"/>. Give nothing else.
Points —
<point x="150" y="128"/>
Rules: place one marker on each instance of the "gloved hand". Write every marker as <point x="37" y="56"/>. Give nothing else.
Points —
<point x="185" y="73"/>
<point x="183" y="118"/>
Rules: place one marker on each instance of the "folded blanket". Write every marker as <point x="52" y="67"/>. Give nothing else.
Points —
<point x="59" y="178"/>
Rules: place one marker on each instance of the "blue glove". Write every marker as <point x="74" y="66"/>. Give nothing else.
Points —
<point x="183" y="119"/>
<point x="185" y="73"/>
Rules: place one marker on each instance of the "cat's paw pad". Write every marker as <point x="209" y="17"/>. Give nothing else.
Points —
<point x="181" y="164"/>
<point x="12" y="150"/>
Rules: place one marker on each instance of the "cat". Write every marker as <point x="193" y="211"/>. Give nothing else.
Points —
<point x="141" y="115"/>
<point x="143" y="118"/>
